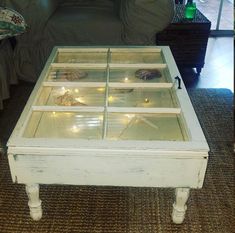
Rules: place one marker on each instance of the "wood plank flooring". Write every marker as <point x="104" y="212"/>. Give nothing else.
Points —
<point x="218" y="71"/>
<point x="211" y="8"/>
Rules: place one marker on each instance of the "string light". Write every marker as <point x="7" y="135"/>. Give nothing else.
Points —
<point x="101" y="89"/>
<point x="78" y="99"/>
<point x="130" y="116"/>
<point x="74" y="129"/>
<point x="146" y="100"/>
<point x="100" y="117"/>
<point x="111" y="98"/>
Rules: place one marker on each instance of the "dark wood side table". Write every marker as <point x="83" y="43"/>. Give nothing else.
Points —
<point x="187" y="39"/>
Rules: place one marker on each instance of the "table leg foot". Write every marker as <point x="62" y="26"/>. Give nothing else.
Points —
<point x="34" y="203"/>
<point x="179" y="206"/>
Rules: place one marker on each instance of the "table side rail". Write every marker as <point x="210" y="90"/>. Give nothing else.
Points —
<point x="111" y="171"/>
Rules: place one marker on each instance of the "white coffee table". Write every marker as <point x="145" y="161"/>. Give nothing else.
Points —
<point x="95" y="118"/>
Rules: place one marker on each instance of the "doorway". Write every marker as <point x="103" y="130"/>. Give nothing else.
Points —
<point x="219" y="12"/>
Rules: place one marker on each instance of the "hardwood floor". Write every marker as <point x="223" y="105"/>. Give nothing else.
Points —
<point x="218" y="71"/>
<point x="211" y="8"/>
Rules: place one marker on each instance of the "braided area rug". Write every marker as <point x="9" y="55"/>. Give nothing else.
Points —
<point x="74" y="209"/>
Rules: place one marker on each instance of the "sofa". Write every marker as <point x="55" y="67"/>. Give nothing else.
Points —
<point x="83" y="22"/>
<point x="7" y="74"/>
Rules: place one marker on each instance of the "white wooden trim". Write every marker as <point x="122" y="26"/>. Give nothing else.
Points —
<point x="137" y="65"/>
<point x="32" y="99"/>
<point x="200" y="146"/>
<point x="109" y="152"/>
<point x="140" y="85"/>
<point x="144" y="49"/>
<point x="93" y="170"/>
<point x="24" y="125"/>
<point x="80" y="65"/>
<point x="105" y="121"/>
<point x="13" y="168"/>
<point x="75" y="49"/>
<point x="68" y="108"/>
<point x="188" y="112"/>
<point x="74" y="84"/>
<point x="144" y="110"/>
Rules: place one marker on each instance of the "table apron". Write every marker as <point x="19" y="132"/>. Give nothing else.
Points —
<point x="111" y="171"/>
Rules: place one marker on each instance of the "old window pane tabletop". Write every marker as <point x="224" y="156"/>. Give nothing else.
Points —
<point x="109" y="116"/>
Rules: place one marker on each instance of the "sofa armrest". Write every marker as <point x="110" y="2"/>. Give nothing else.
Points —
<point x="35" y="13"/>
<point x="142" y="19"/>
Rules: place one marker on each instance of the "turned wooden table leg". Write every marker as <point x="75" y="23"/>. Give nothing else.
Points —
<point x="179" y="206"/>
<point x="34" y="203"/>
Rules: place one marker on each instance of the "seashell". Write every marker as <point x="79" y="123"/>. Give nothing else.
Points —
<point x="67" y="100"/>
<point x="72" y="75"/>
<point x="148" y="74"/>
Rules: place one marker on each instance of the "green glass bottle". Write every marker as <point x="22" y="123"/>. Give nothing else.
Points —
<point x="190" y="10"/>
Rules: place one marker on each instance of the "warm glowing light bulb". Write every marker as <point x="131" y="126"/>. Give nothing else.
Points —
<point x="100" y="118"/>
<point x="111" y="98"/>
<point x="101" y="89"/>
<point x="130" y="116"/>
<point x="126" y="79"/>
<point x="78" y="99"/>
<point x="146" y="100"/>
<point x="53" y="114"/>
<point x="74" y="129"/>
<point x="76" y="91"/>
<point x="63" y="88"/>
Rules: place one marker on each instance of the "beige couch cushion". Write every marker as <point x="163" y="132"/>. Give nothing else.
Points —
<point x="144" y="18"/>
<point x="84" y="26"/>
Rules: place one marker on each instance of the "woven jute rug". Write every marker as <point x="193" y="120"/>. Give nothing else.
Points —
<point x="85" y="209"/>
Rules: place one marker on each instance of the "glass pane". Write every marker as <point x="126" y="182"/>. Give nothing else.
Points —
<point x="64" y="125"/>
<point x="69" y="96"/>
<point x="140" y="97"/>
<point x="77" y="75"/>
<point x="81" y="57"/>
<point x="227" y="16"/>
<point x="131" y="75"/>
<point x="136" y="57"/>
<point x="211" y="10"/>
<point x="145" y="127"/>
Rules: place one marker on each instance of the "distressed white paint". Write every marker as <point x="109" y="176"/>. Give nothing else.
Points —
<point x="142" y="65"/>
<point x="34" y="202"/>
<point x="179" y="206"/>
<point x="92" y="169"/>
<point x="144" y="110"/>
<point x="78" y="65"/>
<point x="74" y="85"/>
<point x="142" y="85"/>
<point x="141" y="163"/>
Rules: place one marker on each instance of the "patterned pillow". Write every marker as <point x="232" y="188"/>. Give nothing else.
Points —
<point x="11" y="23"/>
